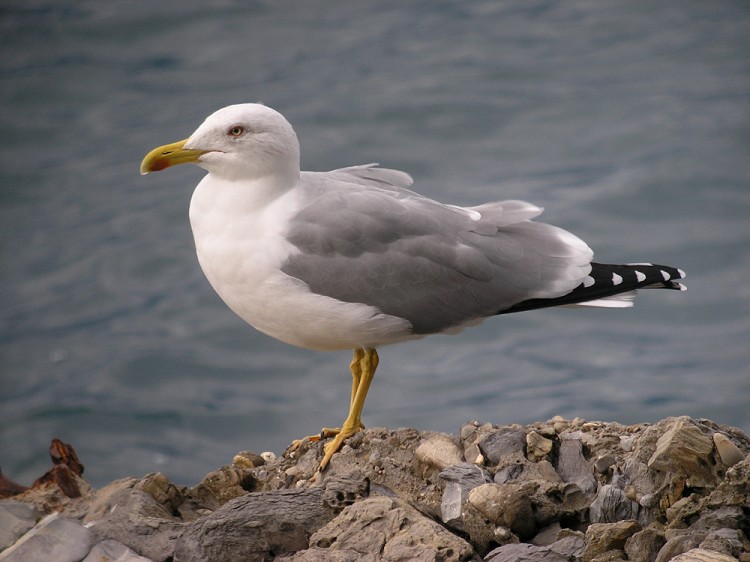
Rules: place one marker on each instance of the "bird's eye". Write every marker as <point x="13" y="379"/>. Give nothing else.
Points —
<point x="236" y="131"/>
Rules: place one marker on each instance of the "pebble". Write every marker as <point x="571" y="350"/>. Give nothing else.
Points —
<point x="729" y="453"/>
<point x="537" y="446"/>
<point x="248" y="459"/>
<point x="439" y="450"/>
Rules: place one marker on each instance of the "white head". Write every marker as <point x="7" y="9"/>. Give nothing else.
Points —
<point x="244" y="141"/>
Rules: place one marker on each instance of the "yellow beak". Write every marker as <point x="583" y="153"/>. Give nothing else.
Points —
<point x="169" y="155"/>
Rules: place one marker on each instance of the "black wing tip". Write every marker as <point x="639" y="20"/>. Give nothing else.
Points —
<point x="606" y="280"/>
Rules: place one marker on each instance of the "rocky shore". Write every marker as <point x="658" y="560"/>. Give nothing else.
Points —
<point x="563" y="490"/>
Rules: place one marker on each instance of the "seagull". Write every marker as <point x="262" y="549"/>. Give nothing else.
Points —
<point x="353" y="259"/>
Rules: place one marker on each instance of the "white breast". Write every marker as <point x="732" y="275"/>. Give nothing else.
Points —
<point x="239" y="239"/>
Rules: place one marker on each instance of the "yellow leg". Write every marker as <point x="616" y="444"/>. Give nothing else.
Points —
<point x="363" y="367"/>
<point x="328" y="432"/>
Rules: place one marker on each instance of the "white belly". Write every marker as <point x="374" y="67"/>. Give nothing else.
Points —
<point x="241" y="249"/>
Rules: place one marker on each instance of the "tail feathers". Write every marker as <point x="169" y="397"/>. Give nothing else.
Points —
<point x="610" y="286"/>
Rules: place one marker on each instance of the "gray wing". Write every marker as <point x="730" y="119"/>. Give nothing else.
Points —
<point x="364" y="238"/>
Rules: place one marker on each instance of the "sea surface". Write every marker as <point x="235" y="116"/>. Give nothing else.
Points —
<point x="628" y="121"/>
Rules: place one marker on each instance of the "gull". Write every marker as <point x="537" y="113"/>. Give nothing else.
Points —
<point x="353" y="259"/>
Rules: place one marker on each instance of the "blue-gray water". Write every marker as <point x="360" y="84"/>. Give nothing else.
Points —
<point x="628" y="121"/>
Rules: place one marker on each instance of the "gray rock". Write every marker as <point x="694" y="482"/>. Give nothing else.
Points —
<point x="644" y="545"/>
<point x="676" y="546"/>
<point x="573" y="467"/>
<point x="727" y="541"/>
<point x="502" y="443"/>
<point x="571" y="546"/>
<point x="547" y="535"/>
<point x="567" y="549"/>
<point x="15" y="519"/>
<point x="262" y="525"/>
<point x="459" y="479"/>
<point x="724" y="517"/>
<point x="53" y="539"/>
<point x="134" y="518"/>
<point x="509" y="473"/>
<point x="612" y="504"/>
<point x="113" y="551"/>
<point x="385" y="529"/>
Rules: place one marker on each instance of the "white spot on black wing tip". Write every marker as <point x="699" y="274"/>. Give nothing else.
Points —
<point x="588" y="281"/>
<point x="682" y="273"/>
<point x="641" y="277"/>
<point x="616" y="279"/>
<point x="666" y="275"/>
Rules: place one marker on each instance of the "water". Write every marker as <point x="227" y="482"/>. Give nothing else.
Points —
<point x="628" y="122"/>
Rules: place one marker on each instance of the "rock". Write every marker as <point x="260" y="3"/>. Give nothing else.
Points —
<point x="248" y="459"/>
<point x="524" y="552"/>
<point x="573" y="467"/>
<point x="640" y="475"/>
<point x="563" y="550"/>
<point x="508" y="505"/>
<point x="537" y="446"/>
<point x="604" y="462"/>
<point x="134" y="518"/>
<point x="703" y="555"/>
<point x="113" y="551"/>
<point x="726" y="541"/>
<point x="158" y="486"/>
<point x="220" y="486"/>
<point x="644" y="545"/>
<point x="611" y="505"/>
<point x="684" y="450"/>
<point x="502" y="443"/>
<point x="16" y="518"/>
<point x="571" y="545"/>
<point x="261" y="525"/>
<point x="729" y="453"/>
<point x="439" y="450"/>
<point x="603" y="537"/>
<point x="547" y="536"/>
<point x="459" y="479"/>
<point x="387" y="526"/>
<point x="676" y="546"/>
<point x="53" y="539"/>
